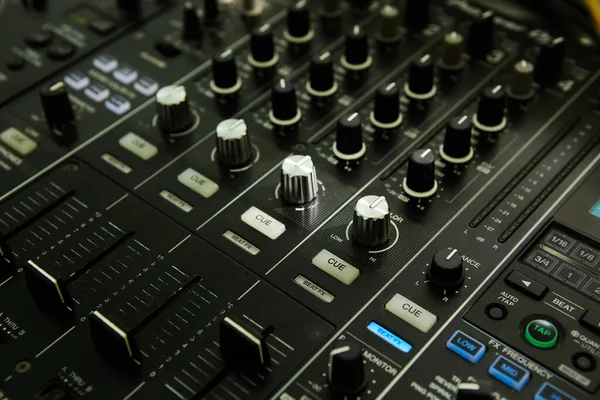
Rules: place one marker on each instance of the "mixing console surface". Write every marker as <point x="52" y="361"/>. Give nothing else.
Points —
<point x="297" y="200"/>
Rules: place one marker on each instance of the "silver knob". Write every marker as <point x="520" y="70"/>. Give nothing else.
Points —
<point x="234" y="148"/>
<point x="298" y="180"/>
<point x="174" y="115"/>
<point x="371" y="222"/>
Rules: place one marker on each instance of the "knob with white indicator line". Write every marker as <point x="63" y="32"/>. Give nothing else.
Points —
<point x="298" y="25"/>
<point x="550" y="62"/>
<point x="298" y="180"/>
<point x="371" y="221"/>
<point x="457" y="141"/>
<point x="349" y="144"/>
<point x="521" y="85"/>
<point x="480" y="40"/>
<point x="284" y="104"/>
<point x="234" y="148"/>
<point x="58" y="110"/>
<point x="321" y="80"/>
<point x="262" y="48"/>
<point x="346" y="371"/>
<point x="446" y="269"/>
<point x="386" y="107"/>
<point x="389" y="25"/>
<point x="173" y="112"/>
<point x="192" y="25"/>
<point x="452" y="53"/>
<point x="421" y="79"/>
<point x="356" y="55"/>
<point x="420" y="175"/>
<point x="491" y="111"/>
<point x="225" y="79"/>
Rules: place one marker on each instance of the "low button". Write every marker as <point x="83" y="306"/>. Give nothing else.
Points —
<point x="18" y="141"/>
<point x="512" y="375"/>
<point x="138" y="146"/>
<point x="411" y="313"/>
<point x="198" y="183"/>
<point x="551" y="392"/>
<point x="263" y="223"/>
<point x="541" y="333"/>
<point x="526" y="285"/>
<point x="466" y="347"/>
<point x="341" y="270"/>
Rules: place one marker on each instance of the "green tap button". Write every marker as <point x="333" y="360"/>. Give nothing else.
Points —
<point x="541" y="333"/>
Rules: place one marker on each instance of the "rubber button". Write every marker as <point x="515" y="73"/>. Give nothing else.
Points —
<point x="583" y="362"/>
<point x="61" y="51"/>
<point x="38" y="39"/>
<point x="496" y="312"/>
<point x="541" y="333"/>
<point x="16" y="63"/>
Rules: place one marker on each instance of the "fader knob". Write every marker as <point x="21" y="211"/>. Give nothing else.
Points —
<point x="298" y="180"/>
<point x="349" y="143"/>
<point x="173" y="112"/>
<point x="59" y="113"/>
<point x="262" y="48"/>
<point x="386" y="107"/>
<point x="234" y="148"/>
<point x="298" y="25"/>
<point x="211" y="12"/>
<point x="389" y="24"/>
<point x="242" y="345"/>
<point x="550" y="62"/>
<point x="480" y="40"/>
<point x="481" y="390"/>
<point x="7" y="265"/>
<point x="421" y="79"/>
<point x="416" y="15"/>
<point x="521" y="86"/>
<point x="446" y="269"/>
<point x="457" y="141"/>
<point x="192" y="25"/>
<point x="284" y="104"/>
<point x="346" y="370"/>
<point x="491" y="110"/>
<point x="420" y="175"/>
<point x="225" y="78"/>
<point x="452" y="53"/>
<point x="371" y="221"/>
<point x="321" y="81"/>
<point x="356" y="50"/>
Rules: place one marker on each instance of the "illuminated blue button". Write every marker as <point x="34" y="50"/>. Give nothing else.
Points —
<point x="551" y="392"/>
<point x="466" y="347"/>
<point x="596" y="209"/>
<point x="509" y="373"/>
<point x="389" y="337"/>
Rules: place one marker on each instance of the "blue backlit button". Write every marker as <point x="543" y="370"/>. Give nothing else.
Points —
<point x="466" y="347"/>
<point x="146" y="86"/>
<point x="509" y="373"/>
<point x="118" y="104"/>
<point x="389" y="337"/>
<point x="551" y="392"/>
<point x="125" y="75"/>
<point x="105" y="63"/>
<point x="97" y="92"/>
<point x="76" y="80"/>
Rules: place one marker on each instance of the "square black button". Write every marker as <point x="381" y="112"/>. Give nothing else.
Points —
<point x="526" y="285"/>
<point x="591" y="320"/>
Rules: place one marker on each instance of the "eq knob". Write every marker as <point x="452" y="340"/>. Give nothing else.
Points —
<point x="242" y="345"/>
<point x="174" y="116"/>
<point x="389" y="25"/>
<point x="416" y="15"/>
<point x="446" y="269"/>
<point x="550" y="62"/>
<point x="421" y="79"/>
<point x="321" y="82"/>
<point x="346" y="370"/>
<point x="234" y="148"/>
<point x="349" y="143"/>
<point x="225" y="79"/>
<point x="456" y="148"/>
<point x="298" y="25"/>
<point x="481" y="390"/>
<point x="452" y="53"/>
<point x="386" y="107"/>
<point x="262" y="48"/>
<point x="58" y="110"/>
<point x="480" y="40"/>
<point x="356" y="55"/>
<point x="491" y="110"/>
<point x="192" y="25"/>
<point x="420" y="174"/>
<point x="371" y="221"/>
<point x="521" y="85"/>
<point x="298" y="180"/>
<point x="284" y="104"/>
<point x="212" y="13"/>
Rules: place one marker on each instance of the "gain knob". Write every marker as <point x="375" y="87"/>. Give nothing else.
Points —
<point x="421" y="79"/>
<point x="58" y="110"/>
<point x="192" y="25"/>
<point x="174" y="116"/>
<point x="212" y="14"/>
<point x="452" y="53"/>
<point x="491" y="110"/>
<point x="234" y="148"/>
<point x="420" y="175"/>
<point x="550" y="62"/>
<point x="262" y="48"/>
<point x="386" y="107"/>
<point x="284" y="105"/>
<point x="480" y="40"/>
<point x="371" y="221"/>
<point x="225" y="79"/>
<point x="346" y="369"/>
<point x="457" y="141"/>
<point x="416" y="15"/>
<point x="521" y="85"/>
<point x="252" y="8"/>
<point x="349" y="143"/>
<point x="446" y="269"/>
<point x="321" y="81"/>
<point x="389" y="26"/>
<point x="298" y="25"/>
<point x="356" y="55"/>
<point x="298" y="180"/>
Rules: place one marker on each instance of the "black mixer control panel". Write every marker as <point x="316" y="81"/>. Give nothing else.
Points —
<point x="298" y="200"/>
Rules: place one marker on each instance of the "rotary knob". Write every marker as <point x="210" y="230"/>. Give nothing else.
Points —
<point x="480" y="40"/>
<point x="129" y="5"/>
<point x="192" y="25"/>
<point x="321" y="81"/>
<point x="234" y="148"/>
<point x="371" y="221"/>
<point x="416" y="15"/>
<point x="521" y="85"/>
<point x="457" y="141"/>
<point x="420" y="175"/>
<point x="386" y="107"/>
<point x="212" y="13"/>
<point x="284" y="104"/>
<point x="174" y="116"/>
<point x="58" y="110"/>
<point x="356" y="55"/>
<point x="452" y="53"/>
<point x="225" y="80"/>
<point x="346" y="370"/>
<point x="252" y="8"/>
<point x="550" y="62"/>
<point x="349" y="143"/>
<point x="298" y="25"/>
<point x="491" y="110"/>
<point x="39" y="5"/>
<point x="298" y="180"/>
<point x="331" y="8"/>
<point x="421" y="79"/>
<point x="446" y="269"/>
<point x="389" y="25"/>
<point x="262" y="48"/>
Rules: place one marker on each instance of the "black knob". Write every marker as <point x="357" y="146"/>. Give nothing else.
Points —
<point x="234" y="147"/>
<point x="446" y="269"/>
<point x="457" y="141"/>
<point x="349" y="143"/>
<point x="284" y="104"/>
<point x="298" y="25"/>
<point x="129" y="5"/>
<point x="262" y="48"/>
<point x="386" y="107"/>
<point x="481" y="390"/>
<point x="356" y="50"/>
<point x="212" y="14"/>
<point x="252" y="8"/>
<point x="480" y="40"/>
<point x="421" y="79"/>
<point x="550" y="62"/>
<point x="521" y="85"/>
<point x="452" y="53"/>
<point x="331" y="8"/>
<point x="225" y="78"/>
<point x="58" y="110"/>
<point x="346" y="369"/>
<point x="371" y="222"/>
<point x="39" y="5"/>
<point x="389" y="24"/>
<point x="173" y="114"/>
<point x="491" y="110"/>
<point x="321" y="81"/>
<point x="416" y="15"/>
<point x="192" y="25"/>
<point x="242" y="345"/>
<point x="420" y="175"/>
